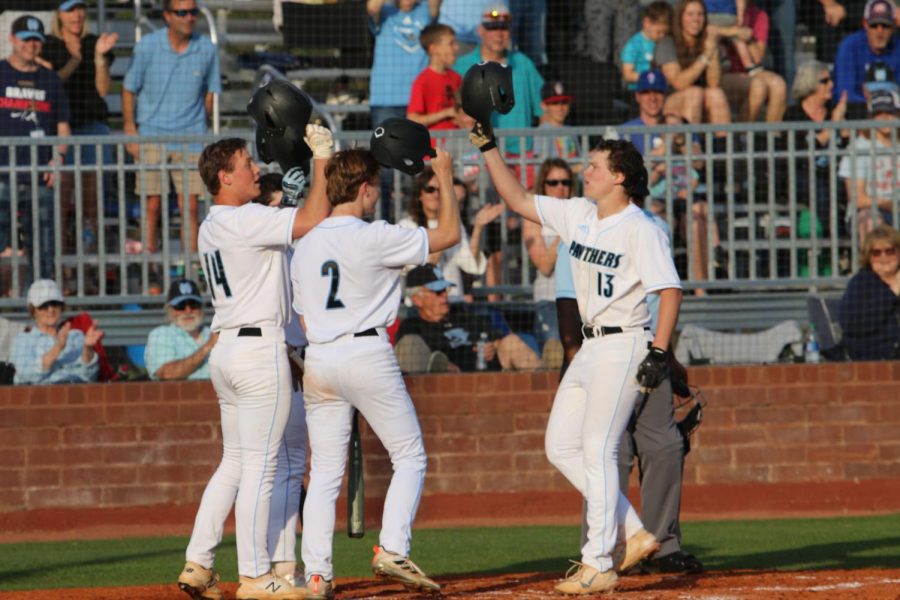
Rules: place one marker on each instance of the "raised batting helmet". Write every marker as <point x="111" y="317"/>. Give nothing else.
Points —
<point x="487" y="87"/>
<point x="281" y="112"/>
<point x="401" y="144"/>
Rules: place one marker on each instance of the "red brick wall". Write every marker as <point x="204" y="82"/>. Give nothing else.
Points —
<point x="792" y="427"/>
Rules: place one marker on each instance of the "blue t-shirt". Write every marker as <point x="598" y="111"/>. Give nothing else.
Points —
<point x="725" y="7"/>
<point x="853" y="58"/>
<point x="565" y="284"/>
<point x="638" y="51"/>
<point x="464" y="16"/>
<point x="170" y="342"/>
<point x="398" y="56"/>
<point x="32" y="104"/>
<point x="171" y="88"/>
<point x="527" y="83"/>
<point x="638" y="138"/>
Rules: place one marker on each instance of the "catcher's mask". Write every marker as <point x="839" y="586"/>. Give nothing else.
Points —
<point x="487" y="87"/>
<point x="401" y="144"/>
<point x="281" y="112"/>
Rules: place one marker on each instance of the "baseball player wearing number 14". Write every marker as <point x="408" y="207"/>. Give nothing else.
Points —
<point x="243" y="247"/>
<point x="618" y="256"/>
<point x="346" y="278"/>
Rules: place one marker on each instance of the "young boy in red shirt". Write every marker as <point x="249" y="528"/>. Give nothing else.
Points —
<point x="434" y="101"/>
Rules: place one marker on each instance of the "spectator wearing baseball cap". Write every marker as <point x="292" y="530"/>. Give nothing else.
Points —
<point x="870" y="166"/>
<point x="52" y="350"/>
<point x="494" y="32"/>
<point x="180" y="348"/>
<point x="556" y="102"/>
<point x="650" y="94"/>
<point x="22" y="79"/>
<point x="875" y="42"/>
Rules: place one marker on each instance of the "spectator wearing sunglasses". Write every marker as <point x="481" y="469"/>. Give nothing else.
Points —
<point x="870" y="307"/>
<point x="169" y="90"/>
<point x="873" y="43"/>
<point x="180" y="349"/>
<point x="51" y="350"/>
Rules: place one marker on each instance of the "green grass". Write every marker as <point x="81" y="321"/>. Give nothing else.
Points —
<point x="834" y="543"/>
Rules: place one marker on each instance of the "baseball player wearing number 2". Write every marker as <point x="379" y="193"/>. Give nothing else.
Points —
<point x="618" y="256"/>
<point x="346" y="278"/>
<point x="242" y="246"/>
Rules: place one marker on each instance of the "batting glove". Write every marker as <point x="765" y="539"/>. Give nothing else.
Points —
<point x="482" y="137"/>
<point x="320" y="141"/>
<point x="292" y="184"/>
<point x="653" y="369"/>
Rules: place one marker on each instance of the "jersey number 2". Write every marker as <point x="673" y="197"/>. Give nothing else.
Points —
<point x="215" y="272"/>
<point x="605" y="290"/>
<point x="330" y="269"/>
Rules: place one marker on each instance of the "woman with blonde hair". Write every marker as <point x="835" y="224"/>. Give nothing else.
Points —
<point x="870" y="307"/>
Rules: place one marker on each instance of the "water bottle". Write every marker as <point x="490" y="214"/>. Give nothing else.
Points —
<point x="480" y="362"/>
<point x="811" y="348"/>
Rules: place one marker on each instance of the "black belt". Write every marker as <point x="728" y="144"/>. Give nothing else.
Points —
<point x="367" y="333"/>
<point x="249" y="332"/>
<point x="588" y="331"/>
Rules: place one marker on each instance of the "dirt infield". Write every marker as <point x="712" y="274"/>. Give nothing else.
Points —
<point x="871" y="584"/>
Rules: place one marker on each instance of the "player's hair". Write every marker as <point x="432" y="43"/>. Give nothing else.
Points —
<point x="218" y="156"/>
<point x="623" y="158"/>
<point x="882" y="233"/>
<point x="659" y="12"/>
<point x="551" y="163"/>
<point x="346" y="171"/>
<point x="432" y="34"/>
<point x="268" y="185"/>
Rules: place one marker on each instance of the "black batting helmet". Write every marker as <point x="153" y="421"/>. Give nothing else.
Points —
<point x="401" y="144"/>
<point x="487" y="87"/>
<point x="281" y="112"/>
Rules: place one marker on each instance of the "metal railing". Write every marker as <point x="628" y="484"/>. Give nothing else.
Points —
<point x="94" y="242"/>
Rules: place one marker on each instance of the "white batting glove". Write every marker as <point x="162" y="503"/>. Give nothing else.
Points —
<point x="292" y="184"/>
<point x="320" y="141"/>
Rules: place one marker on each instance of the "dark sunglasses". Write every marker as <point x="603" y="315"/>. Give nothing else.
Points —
<point x="50" y="304"/>
<point x="183" y="12"/>
<point x="875" y="252"/>
<point x="825" y="80"/>
<point x="880" y="26"/>
<point x="429" y="189"/>
<point x="556" y="182"/>
<point x="495" y="25"/>
<point x="187" y="304"/>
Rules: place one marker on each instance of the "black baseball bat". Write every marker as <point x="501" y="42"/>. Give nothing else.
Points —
<point x="356" y="505"/>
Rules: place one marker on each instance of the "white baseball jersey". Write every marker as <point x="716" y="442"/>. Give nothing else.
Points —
<point x="242" y="249"/>
<point x="616" y="261"/>
<point x="346" y="275"/>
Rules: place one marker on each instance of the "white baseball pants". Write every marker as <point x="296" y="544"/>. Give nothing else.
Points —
<point x="591" y="410"/>
<point x="359" y="373"/>
<point x="252" y="380"/>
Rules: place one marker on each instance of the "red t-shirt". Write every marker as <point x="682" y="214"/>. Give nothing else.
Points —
<point x="433" y="92"/>
<point x="757" y="20"/>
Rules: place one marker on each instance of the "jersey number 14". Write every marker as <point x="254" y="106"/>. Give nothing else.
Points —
<point x="215" y="273"/>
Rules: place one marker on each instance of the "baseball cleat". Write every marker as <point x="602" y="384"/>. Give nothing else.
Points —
<point x="199" y="583"/>
<point x="319" y="588"/>
<point x="584" y="579"/>
<point x="638" y="547"/>
<point x="402" y="570"/>
<point x="268" y="587"/>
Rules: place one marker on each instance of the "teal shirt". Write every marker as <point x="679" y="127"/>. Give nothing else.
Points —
<point x="527" y="83"/>
<point x="170" y="342"/>
<point x="638" y="51"/>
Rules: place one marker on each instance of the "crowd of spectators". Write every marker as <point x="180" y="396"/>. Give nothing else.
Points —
<point x="686" y="62"/>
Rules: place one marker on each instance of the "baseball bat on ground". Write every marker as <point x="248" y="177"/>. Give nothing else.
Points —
<point x="356" y="520"/>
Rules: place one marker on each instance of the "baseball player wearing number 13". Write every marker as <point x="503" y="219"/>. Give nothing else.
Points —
<point x="346" y="277"/>
<point x="618" y="256"/>
<point x="243" y="247"/>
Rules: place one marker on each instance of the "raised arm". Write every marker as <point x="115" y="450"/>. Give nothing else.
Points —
<point x="446" y="235"/>
<point x="373" y="7"/>
<point x="517" y="198"/>
<point x="316" y="207"/>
